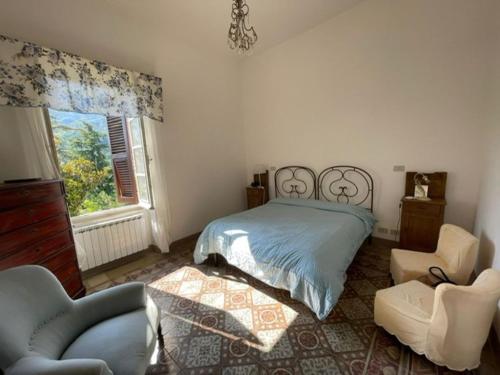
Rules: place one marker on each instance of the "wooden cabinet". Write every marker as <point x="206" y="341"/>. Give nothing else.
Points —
<point x="421" y="220"/>
<point x="420" y="224"/>
<point x="255" y="196"/>
<point x="258" y="193"/>
<point x="35" y="229"/>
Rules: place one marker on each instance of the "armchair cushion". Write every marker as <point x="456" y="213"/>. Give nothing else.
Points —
<point x="405" y="310"/>
<point x="125" y="342"/>
<point x="409" y="265"/>
<point x="44" y="366"/>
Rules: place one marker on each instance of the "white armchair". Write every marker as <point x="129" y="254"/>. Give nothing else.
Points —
<point x="456" y="254"/>
<point x="449" y="325"/>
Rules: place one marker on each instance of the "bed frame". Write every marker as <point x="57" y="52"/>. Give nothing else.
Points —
<point x="340" y="183"/>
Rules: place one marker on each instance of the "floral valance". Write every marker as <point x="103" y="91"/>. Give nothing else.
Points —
<point x="35" y="76"/>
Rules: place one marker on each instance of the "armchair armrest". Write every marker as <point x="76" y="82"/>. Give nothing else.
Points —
<point x="111" y="302"/>
<point x="44" y="366"/>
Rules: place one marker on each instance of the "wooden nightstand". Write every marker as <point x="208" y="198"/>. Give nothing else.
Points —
<point x="256" y="196"/>
<point x="420" y="224"/>
<point x="421" y="220"/>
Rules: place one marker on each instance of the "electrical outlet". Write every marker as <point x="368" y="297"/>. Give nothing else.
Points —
<point x="383" y="230"/>
<point x="399" y="168"/>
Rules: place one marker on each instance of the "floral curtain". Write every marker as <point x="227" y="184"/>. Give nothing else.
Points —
<point x="35" y="76"/>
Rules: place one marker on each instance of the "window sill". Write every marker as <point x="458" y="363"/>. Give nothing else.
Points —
<point x="100" y="216"/>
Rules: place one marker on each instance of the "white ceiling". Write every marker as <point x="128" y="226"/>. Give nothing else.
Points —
<point x="200" y="23"/>
<point x="207" y="21"/>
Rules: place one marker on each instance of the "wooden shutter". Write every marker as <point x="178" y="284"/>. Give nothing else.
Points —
<point x="126" y="191"/>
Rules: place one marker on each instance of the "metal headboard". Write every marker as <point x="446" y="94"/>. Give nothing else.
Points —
<point x="346" y="184"/>
<point x="295" y="181"/>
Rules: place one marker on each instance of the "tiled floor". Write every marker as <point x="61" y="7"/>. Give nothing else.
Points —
<point x="106" y="278"/>
<point x="219" y="320"/>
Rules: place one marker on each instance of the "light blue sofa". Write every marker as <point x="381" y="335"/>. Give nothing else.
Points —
<point x="43" y="331"/>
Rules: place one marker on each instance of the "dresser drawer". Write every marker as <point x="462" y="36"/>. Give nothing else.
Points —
<point x="20" y="217"/>
<point x="64" y="265"/>
<point x="37" y="252"/>
<point x="29" y="194"/>
<point x="421" y="208"/>
<point x="26" y="237"/>
<point x="74" y="286"/>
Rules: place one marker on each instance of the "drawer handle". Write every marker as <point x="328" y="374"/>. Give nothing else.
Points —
<point x="25" y="192"/>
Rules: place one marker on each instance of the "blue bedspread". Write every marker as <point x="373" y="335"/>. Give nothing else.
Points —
<point x="303" y="246"/>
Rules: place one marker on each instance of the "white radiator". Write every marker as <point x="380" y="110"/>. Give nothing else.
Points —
<point x="110" y="240"/>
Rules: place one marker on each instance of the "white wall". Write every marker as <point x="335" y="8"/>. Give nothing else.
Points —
<point x="487" y="226"/>
<point x="385" y="83"/>
<point x="201" y="141"/>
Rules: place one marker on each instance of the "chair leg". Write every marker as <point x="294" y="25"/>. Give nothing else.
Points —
<point x="160" y="336"/>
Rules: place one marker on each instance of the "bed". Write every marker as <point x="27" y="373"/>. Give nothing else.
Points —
<point x="304" y="240"/>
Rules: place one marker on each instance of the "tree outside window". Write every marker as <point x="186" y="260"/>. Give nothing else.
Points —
<point x="96" y="160"/>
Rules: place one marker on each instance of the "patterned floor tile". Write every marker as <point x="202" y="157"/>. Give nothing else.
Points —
<point x="203" y="351"/>
<point x="308" y="341"/>
<point x="269" y="317"/>
<point x="261" y="298"/>
<point x="218" y="320"/>
<point x="212" y="301"/>
<point x="190" y="287"/>
<point x="238" y="299"/>
<point x="354" y="308"/>
<point x="237" y="351"/>
<point x="239" y="320"/>
<point x="363" y="287"/>
<point x="321" y="365"/>
<point x="210" y="321"/>
<point x="241" y="370"/>
<point x="275" y="344"/>
<point x="342" y="337"/>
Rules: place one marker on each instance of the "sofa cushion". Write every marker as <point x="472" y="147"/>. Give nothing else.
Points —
<point x="125" y="342"/>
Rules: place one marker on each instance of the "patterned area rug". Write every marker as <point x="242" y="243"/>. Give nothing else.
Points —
<point x="218" y="320"/>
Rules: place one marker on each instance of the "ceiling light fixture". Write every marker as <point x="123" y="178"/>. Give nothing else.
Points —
<point x="241" y="36"/>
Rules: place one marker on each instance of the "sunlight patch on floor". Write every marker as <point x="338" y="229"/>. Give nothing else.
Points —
<point x="192" y="299"/>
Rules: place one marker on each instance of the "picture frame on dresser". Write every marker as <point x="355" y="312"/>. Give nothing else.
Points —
<point x="35" y="228"/>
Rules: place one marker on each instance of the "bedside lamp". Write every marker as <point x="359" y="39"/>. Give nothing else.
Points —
<point x="259" y="170"/>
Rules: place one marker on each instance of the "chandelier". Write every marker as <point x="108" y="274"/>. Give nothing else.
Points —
<point x="240" y="36"/>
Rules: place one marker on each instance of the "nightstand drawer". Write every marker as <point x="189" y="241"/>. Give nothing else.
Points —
<point x="255" y="197"/>
<point x="422" y="208"/>
<point x="255" y="193"/>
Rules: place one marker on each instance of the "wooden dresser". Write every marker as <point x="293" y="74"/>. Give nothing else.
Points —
<point x="421" y="220"/>
<point x="35" y="229"/>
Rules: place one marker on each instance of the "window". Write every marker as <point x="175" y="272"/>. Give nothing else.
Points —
<point x="102" y="160"/>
